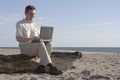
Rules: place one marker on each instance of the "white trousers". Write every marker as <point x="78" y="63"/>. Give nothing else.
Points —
<point x="41" y="49"/>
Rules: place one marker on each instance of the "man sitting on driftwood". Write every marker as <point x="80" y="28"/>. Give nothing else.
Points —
<point x="28" y="31"/>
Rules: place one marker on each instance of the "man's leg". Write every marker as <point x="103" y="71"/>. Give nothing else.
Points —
<point x="37" y="49"/>
<point x="49" y="46"/>
<point x="46" y="61"/>
<point x="44" y="55"/>
<point x="30" y="49"/>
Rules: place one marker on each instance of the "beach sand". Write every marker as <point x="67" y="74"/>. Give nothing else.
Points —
<point x="92" y="66"/>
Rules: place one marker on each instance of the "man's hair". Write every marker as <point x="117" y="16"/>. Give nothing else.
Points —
<point x="29" y="7"/>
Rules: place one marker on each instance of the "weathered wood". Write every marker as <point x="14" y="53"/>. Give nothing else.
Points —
<point x="22" y="63"/>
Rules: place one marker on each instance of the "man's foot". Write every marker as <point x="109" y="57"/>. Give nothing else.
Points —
<point x="41" y="69"/>
<point x="53" y="70"/>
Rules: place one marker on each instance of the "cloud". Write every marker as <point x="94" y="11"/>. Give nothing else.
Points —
<point x="8" y="20"/>
<point x="43" y="20"/>
<point x="0" y="16"/>
<point x="12" y="19"/>
<point x="98" y="24"/>
<point x="107" y="23"/>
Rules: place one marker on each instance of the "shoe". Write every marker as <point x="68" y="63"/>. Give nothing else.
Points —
<point x="53" y="70"/>
<point x="41" y="69"/>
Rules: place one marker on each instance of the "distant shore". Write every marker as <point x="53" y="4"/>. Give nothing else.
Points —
<point x="92" y="66"/>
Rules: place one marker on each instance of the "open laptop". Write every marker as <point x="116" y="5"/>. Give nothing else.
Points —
<point x="46" y="33"/>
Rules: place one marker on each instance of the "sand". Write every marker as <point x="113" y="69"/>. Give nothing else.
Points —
<point x="92" y="66"/>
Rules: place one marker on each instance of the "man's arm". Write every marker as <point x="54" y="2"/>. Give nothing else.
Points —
<point x="22" y="39"/>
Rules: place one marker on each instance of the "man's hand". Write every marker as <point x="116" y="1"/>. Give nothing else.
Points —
<point x="35" y="39"/>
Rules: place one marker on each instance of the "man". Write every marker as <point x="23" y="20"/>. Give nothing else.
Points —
<point x="27" y="34"/>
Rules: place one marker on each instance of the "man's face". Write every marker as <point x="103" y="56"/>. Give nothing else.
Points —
<point x="31" y="14"/>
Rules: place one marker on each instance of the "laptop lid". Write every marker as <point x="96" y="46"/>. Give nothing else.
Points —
<point x="46" y="33"/>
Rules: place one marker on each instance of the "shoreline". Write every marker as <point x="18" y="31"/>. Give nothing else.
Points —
<point x="92" y="66"/>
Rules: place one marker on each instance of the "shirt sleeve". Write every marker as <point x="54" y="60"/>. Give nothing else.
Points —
<point x="18" y="30"/>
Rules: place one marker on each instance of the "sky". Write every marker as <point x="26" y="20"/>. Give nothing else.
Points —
<point x="77" y="23"/>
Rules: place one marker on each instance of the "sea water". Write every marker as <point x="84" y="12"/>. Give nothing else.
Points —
<point x="91" y="49"/>
<point x="84" y="49"/>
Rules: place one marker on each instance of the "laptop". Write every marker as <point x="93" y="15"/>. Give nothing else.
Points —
<point x="46" y="33"/>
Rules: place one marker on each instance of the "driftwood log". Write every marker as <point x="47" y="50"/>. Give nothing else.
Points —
<point x="22" y="63"/>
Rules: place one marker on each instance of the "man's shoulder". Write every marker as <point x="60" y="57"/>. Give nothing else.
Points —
<point x="21" y="21"/>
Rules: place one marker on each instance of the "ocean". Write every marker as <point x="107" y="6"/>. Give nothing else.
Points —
<point x="82" y="49"/>
<point x="91" y="49"/>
